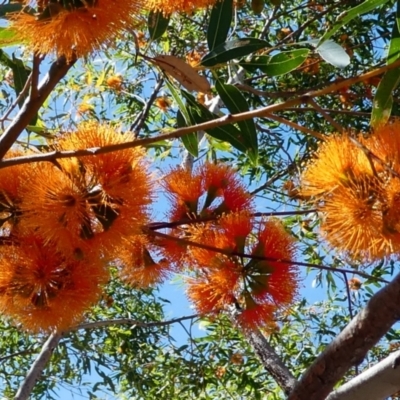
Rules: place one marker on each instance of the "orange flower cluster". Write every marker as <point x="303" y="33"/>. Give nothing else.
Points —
<point x="183" y="6"/>
<point x="73" y="28"/>
<point x="357" y="188"/>
<point x="259" y="284"/>
<point x="62" y="222"/>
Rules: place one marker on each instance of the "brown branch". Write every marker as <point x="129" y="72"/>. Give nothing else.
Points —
<point x="351" y="346"/>
<point x="32" y="104"/>
<point x="295" y="126"/>
<point x="129" y="321"/>
<point x="198" y="220"/>
<point x="268" y="357"/>
<point x="38" y="366"/>
<point x="230" y="253"/>
<point x="17" y="126"/>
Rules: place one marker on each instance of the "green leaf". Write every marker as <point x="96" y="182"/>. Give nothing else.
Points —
<point x="20" y="74"/>
<point x="219" y="24"/>
<point x="332" y="53"/>
<point x="157" y="24"/>
<point x="7" y="37"/>
<point x="383" y="100"/>
<point x="285" y="62"/>
<point x="190" y="140"/>
<point x="184" y="119"/>
<point x="346" y="16"/>
<point x="233" y="49"/>
<point x="236" y="103"/>
<point x="226" y="133"/>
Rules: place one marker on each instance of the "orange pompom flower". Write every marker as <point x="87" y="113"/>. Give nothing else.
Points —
<point x="338" y="162"/>
<point x="184" y="6"/>
<point x="138" y="266"/>
<point x="213" y="291"/>
<point x="55" y="205"/>
<point x="43" y="290"/>
<point x="218" y="185"/>
<point x="12" y="182"/>
<point x="260" y="284"/>
<point x="74" y="28"/>
<point x="120" y="188"/>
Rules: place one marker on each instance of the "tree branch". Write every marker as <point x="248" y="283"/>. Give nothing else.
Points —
<point x="376" y="383"/>
<point x="270" y="360"/>
<point x="38" y="366"/>
<point x="33" y="103"/>
<point x="351" y="345"/>
<point x="129" y="321"/>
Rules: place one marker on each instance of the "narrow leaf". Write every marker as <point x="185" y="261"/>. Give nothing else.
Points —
<point x="7" y="37"/>
<point x="185" y="74"/>
<point x="285" y="62"/>
<point x="226" y="133"/>
<point x="233" y="49"/>
<point x="183" y="119"/>
<point x="157" y="24"/>
<point x="331" y="52"/>
<point x="346" y="16"/>
<point x="383" y="100"/>
<point x="219" y="24"/>
<point x="236" y="103"/>
<point x="190" y="140"/>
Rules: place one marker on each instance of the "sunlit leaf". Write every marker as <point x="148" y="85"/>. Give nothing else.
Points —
<point x="219" y="24"/>
<point x="284" y="62"/>
<point x="383" y="100"/>
<point x="233" y="49"/>
<point x="157" y="24"/>
<point x="346" y="16"/>
<point x="236" y="103"/>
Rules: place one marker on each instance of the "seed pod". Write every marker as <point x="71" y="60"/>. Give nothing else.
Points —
<point x="257" y="6"/>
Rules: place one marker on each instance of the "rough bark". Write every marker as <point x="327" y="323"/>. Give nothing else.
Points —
<point x="376" y="383"/>
<point x="351" y="345"/>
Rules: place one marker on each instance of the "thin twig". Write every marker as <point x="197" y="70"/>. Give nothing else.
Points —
<point x="138" y="123"/>
<point x="129" y="321"/>
<point x="32" y="104"/>
<point x="14" y="104"/>
<point x="326" y="116"/>
<point x="230" y="253"/>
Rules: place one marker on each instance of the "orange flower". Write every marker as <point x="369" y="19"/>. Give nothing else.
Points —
<point x="43" y="289"/>
<point x="115" y="82"/>
<point x="138" y="267"/>
<point x="215" y="291"/>
<point x="12" y="181"/>
<point x="163" y="103"/>
<point x="120" y="188"/>
<point x="355" y="284"/>
<point x="270" y="279"/>
<point x="69" y="30"/>
<point x="353" y="221"/>
<point x="255" y="313"/>
<point x="55" y="204"/>
<point x="236" y="226"/>
<point x="183" y="6"/>
<point x="184" y="190"/>
<point x="338" y="162"/>
<point x="210" y="235"/>
<point x="385" y="144"/>
<point x="222" y="181"/>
